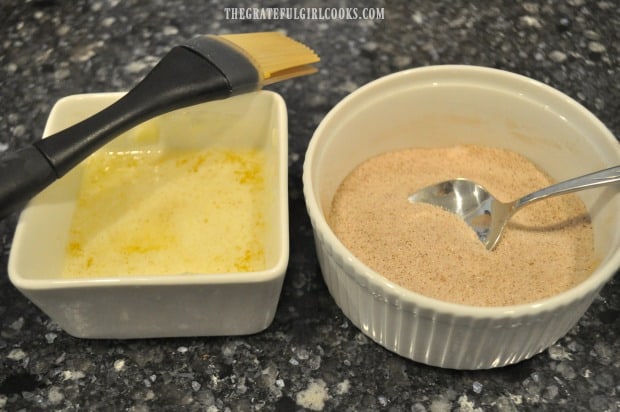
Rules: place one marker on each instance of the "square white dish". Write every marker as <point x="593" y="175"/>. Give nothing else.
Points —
<point x="184" y="304"/>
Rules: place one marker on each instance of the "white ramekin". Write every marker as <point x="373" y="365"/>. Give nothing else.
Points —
<point x="442" y="106"/>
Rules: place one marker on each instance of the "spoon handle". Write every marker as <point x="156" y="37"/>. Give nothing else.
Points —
<point x="600" y="178"/>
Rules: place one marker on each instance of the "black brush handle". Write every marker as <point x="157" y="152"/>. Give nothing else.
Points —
<point x="23" y="174"/>
<point x="182" y="78"/>
<point x="187" y="75"/>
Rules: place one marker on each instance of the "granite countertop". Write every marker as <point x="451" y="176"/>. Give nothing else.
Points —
<point x="311" y="352"/>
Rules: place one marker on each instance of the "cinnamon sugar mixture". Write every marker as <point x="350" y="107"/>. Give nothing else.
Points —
<point x="546" y="248"/>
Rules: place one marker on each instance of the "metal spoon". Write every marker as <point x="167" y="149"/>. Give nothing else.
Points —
<point x="487" y="215"/>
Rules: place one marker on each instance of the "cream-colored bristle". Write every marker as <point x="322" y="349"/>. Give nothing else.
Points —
<point x="277" y="56"/>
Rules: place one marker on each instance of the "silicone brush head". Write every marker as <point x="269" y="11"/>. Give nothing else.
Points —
<point x="276" y="56"/>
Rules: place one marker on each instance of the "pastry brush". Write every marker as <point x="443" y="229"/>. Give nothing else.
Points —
<point x="205" y="68"/>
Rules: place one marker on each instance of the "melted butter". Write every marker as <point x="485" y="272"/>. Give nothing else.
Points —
<point x="169" y="212"/>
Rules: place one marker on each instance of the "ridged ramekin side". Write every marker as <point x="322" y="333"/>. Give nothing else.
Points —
<point x="440" y="339"/>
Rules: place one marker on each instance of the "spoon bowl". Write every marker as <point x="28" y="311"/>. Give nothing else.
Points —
<point x="486" y="215"/>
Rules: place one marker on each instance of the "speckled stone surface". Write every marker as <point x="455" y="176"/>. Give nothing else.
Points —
<point x="49" y="49"/>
